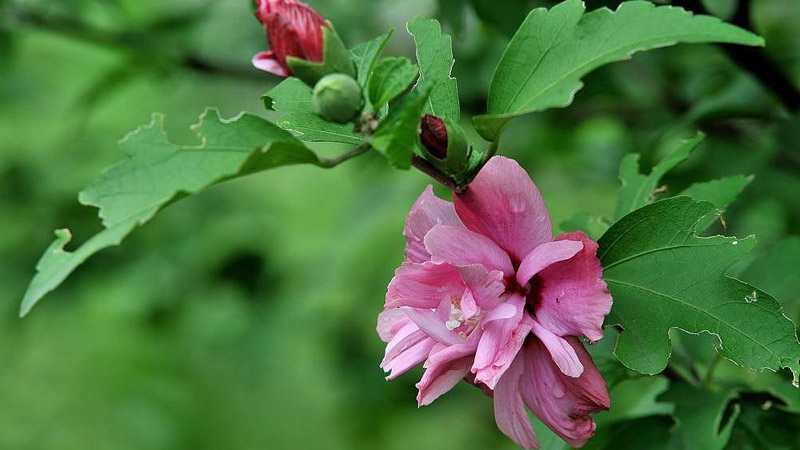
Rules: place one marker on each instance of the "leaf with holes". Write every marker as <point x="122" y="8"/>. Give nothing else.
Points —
<point x="157" y="172"/>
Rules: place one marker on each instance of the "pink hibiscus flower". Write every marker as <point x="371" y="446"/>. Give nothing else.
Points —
<point x="293" y="29"/>
<point x="487" y="294"/>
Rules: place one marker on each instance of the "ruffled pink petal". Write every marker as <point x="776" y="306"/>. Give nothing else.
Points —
<point x="428" y="210"/>
<point x="429" y="322"/>
<point x="461" y="247"/>
<point x="414" y="351"/>
<point x="563" y="403"/>
<point x="390" y="322"/>
<point x="469" y="307"/>
<point x="405" y="337"/>
<point x="509" y="409"/>
<point x="571" y="297"/>
<point x="500" y="343"/>
<point x="268" y="62"/>
<point x="486" y="286"/>
<point x="445" y="367"/>
<point x="560" y="350"/>
<point x="423" y="285"/>
<point x="504" y="204"/>
<point x="545" y="255"/>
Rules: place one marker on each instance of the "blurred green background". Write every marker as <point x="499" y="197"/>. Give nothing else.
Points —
<point x="243" y="318"/>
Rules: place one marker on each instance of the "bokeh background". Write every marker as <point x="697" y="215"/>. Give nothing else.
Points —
<point x="243" y="318"/>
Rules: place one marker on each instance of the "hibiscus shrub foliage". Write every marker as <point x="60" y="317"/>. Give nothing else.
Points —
<point x="626" y="330"/>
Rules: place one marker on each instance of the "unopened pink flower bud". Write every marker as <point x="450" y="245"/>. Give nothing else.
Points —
<point x="433" y="135"/>
<point x="293" y="29"/>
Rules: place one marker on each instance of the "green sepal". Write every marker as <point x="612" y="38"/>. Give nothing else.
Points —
<point x="461" y="161"/>
<point x="336" y="58"/>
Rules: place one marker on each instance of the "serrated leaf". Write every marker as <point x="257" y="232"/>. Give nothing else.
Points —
<point x="698" y="417"/>
<point x="396" y="137"/>
<point x="637" y="189"/>
<point x="310" y="127"/>
<point x="291" y="95"/>
<point x="662" y="276"/>
<point x="365" y="55"/>
<point x="553" y="49"/>
<point x="156" y="172"/>
<point x="435" y="60"/>
<point x="721" y="193"/>
<point x="390" y="78"/>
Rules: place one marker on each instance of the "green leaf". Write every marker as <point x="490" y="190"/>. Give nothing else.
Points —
<point x="638" y="190"/>
<point x="365" y="55"/>
<point x="390" y="78"/>
<point x="336" y="59"/>
<point x="593" y="226"/>
<point x="777" y="272"/>
<point x="761" y="427"/>
<point x="435" y="59"/>
<point x="698" y="415"/>
<point x="291" y="95"/>
<point x="721" y="193"/>
<point x="662" y="276"/>
<point x="310" y="127"/>
<point x="294" y="97"/>
<point x="156" y="172"/>
<point x="634" y="398"/>
<point x="396" y="137"/>
<point x="553" y="49"/>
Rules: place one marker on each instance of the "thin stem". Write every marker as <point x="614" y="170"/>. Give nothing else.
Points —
<point x="427" y="168"/>
<point x="352" y="153"/>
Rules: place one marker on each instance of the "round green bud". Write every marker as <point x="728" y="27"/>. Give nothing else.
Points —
<point x="337" y="98"/>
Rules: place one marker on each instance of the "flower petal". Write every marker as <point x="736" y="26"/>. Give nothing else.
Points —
<point x="504" y="204"/>
<point x="428" y="210"/>
<point x="430" y="323"/>
<point x="560" y="350"/>
<point x="500" y="342"/>
<point x="509" y="409"/>
<point x="461" y="247"/>
<point x="486" y="286"/>
<point x="440" y="378"/>
<point x="390" y="322"/>
<point x="545" y="255"/>
<point x="572" y="298"/>
<point x="563" y="403"/>
<point x="267" y="61"/>
<point x="423" y="285"/>
<point x="408" y="358"/>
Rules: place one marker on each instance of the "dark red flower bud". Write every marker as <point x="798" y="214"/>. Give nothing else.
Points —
<point x="433" y="135"/>
<point x="293" y="29"/>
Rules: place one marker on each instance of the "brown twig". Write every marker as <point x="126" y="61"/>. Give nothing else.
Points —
<point x="427" y="168"/>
